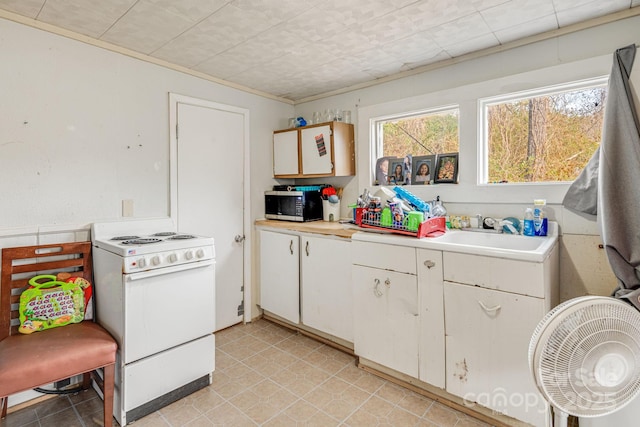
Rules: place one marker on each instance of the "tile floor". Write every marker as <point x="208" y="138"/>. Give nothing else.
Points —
<point x="268" y="375"/>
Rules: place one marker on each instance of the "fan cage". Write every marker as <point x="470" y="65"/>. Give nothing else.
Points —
<point x="570" y="342"/>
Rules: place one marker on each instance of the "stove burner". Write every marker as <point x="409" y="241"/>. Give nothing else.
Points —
<point x="140" y="241"/>
<point x="125" y="237"/>
<point x="182" y="237"/>
<point x="164" y="234"/>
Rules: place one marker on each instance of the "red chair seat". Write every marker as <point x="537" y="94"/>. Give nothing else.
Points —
<point x="28" y="361"/>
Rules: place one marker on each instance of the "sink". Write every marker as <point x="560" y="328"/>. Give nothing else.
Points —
<point x="531" y="248"/>
<point x="493" y="240"/>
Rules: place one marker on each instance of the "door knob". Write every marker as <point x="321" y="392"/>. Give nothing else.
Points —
<point x="429" y="264"/>
<point x="239" y="238"/>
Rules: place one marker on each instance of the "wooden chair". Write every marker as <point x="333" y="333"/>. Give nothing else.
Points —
<point x="29" y="361"/>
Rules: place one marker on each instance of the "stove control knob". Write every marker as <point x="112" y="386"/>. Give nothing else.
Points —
<point x="155" y="260"/>
<point x="173" y="258"/>
<point x="188" y="255"/>
<point x="200" y="253"/>
<point x="142" y="263"/>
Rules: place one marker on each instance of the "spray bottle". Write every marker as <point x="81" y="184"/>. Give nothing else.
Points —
<point x="527" y="228"/>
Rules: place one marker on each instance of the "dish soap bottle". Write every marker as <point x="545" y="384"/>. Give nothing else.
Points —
<point x="539" y="218"/>
<point x="527" y="229"/>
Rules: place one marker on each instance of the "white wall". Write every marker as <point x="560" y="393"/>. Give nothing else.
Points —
<point x="83" y="128"/>
<point x="580" y="55"/>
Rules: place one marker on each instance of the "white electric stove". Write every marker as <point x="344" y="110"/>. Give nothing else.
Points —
<point x="155" y="293"/>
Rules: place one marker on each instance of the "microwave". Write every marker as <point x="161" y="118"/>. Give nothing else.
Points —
<point x="295" y="205"/>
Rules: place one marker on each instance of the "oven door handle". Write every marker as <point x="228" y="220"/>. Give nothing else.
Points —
<point x="168" y="270"/>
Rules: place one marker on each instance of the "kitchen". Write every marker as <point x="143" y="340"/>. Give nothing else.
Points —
<point x="104" y="117"/>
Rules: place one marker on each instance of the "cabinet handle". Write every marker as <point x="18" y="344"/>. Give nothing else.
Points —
<point x="307" y="248"/>
<point x="376" y="288"/>
<point x="291" y="246"/>
<point x="429" y="264"/>
<point x="488" y="310"/>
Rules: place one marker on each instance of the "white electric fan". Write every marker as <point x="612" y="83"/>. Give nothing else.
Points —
<point x="585" y="357"/>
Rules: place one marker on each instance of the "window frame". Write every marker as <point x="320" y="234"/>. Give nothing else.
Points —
<point x="378" y="122"/>
<point x="483" y="126"/>
<point x="450" y="88"/>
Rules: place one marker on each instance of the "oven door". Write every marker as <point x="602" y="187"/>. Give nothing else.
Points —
<point x="167" y="307"/>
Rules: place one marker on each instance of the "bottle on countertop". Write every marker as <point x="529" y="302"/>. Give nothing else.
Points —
<point x="527" y="229"/>
<point x="539" y="218"/>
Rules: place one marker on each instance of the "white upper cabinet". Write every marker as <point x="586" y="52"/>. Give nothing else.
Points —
<point x="325" y="149"/>
<point x="285" y="153"/>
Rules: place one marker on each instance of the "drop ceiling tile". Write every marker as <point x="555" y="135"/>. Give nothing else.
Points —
<point x="516" y="12"/>
<point x="222" y="67"/>
<point x="471" y="45"/>
<point x="356" y="12"/>
<point x="432" y="13"/>
<point x="276" y="11"/>
<point x="346" y="43"/>
<point x="314" y="24"/>
<point x="540" y="25"/>
<point x="469" y="27"/>
<point x="193" y="10"/>
<point x="388" y="28"/>
<point x="146" y="27"/>
<point x="28" y="8"/>
<point x="89" y="17"/>
<point x="590" y="10"/>
<point x="417" y="45"/>
<point x="199" y="43"/>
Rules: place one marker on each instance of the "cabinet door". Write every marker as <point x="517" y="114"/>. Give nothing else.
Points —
<point x="326" y="291"/>
<point x="317" y="155"/>
<point x="386" y="318"/>
<point x="279" y="274"/>
<point x="285" y="153"/>
<point x="431" y="296"/>
<point x="487" y="341"/>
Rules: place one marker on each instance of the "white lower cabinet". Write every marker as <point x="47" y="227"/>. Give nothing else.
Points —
<point x="386" y="324"/>
<point x="325" y="285"/>
<point x="487" y="340"/>
<point x="306" y="280"/>
<point x="280" y="274"/>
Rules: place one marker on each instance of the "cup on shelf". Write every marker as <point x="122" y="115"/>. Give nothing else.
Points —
<point x="346" y="116"/>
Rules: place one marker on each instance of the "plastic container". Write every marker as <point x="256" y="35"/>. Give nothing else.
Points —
<point x="330" y="211"/>
<point x="539" y="218"/>
<point x="527" y="228"/>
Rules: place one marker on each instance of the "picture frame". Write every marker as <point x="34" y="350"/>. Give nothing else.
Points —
<point x="417" y="177"/>
<point x="446" y="168"/>
<point x="396" y="165"/>
<point x="382" y="170"/>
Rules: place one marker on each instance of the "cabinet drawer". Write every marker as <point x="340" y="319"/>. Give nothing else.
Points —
<point x="520" y="277"/>
<point x="387" y="257"/>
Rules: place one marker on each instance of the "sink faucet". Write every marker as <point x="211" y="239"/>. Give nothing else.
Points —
<point x="479" y="218"/>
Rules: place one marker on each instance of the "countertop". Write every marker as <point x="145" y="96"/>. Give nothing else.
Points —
<point x="317" y="227"/>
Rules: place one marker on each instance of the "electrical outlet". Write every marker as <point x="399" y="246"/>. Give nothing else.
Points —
<point x="127" y="207"/>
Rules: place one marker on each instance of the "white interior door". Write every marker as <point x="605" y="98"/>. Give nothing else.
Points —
<point x="210" y="194"/>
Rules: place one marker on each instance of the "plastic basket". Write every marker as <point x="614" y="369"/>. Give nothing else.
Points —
<point x="431" y="227"/>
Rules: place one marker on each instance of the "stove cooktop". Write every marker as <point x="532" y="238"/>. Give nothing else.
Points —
<point x="152" y="236"/>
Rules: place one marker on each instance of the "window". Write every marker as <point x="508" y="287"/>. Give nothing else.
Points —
<point x="547" y="135"/>
<point x="422" y="133"/>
